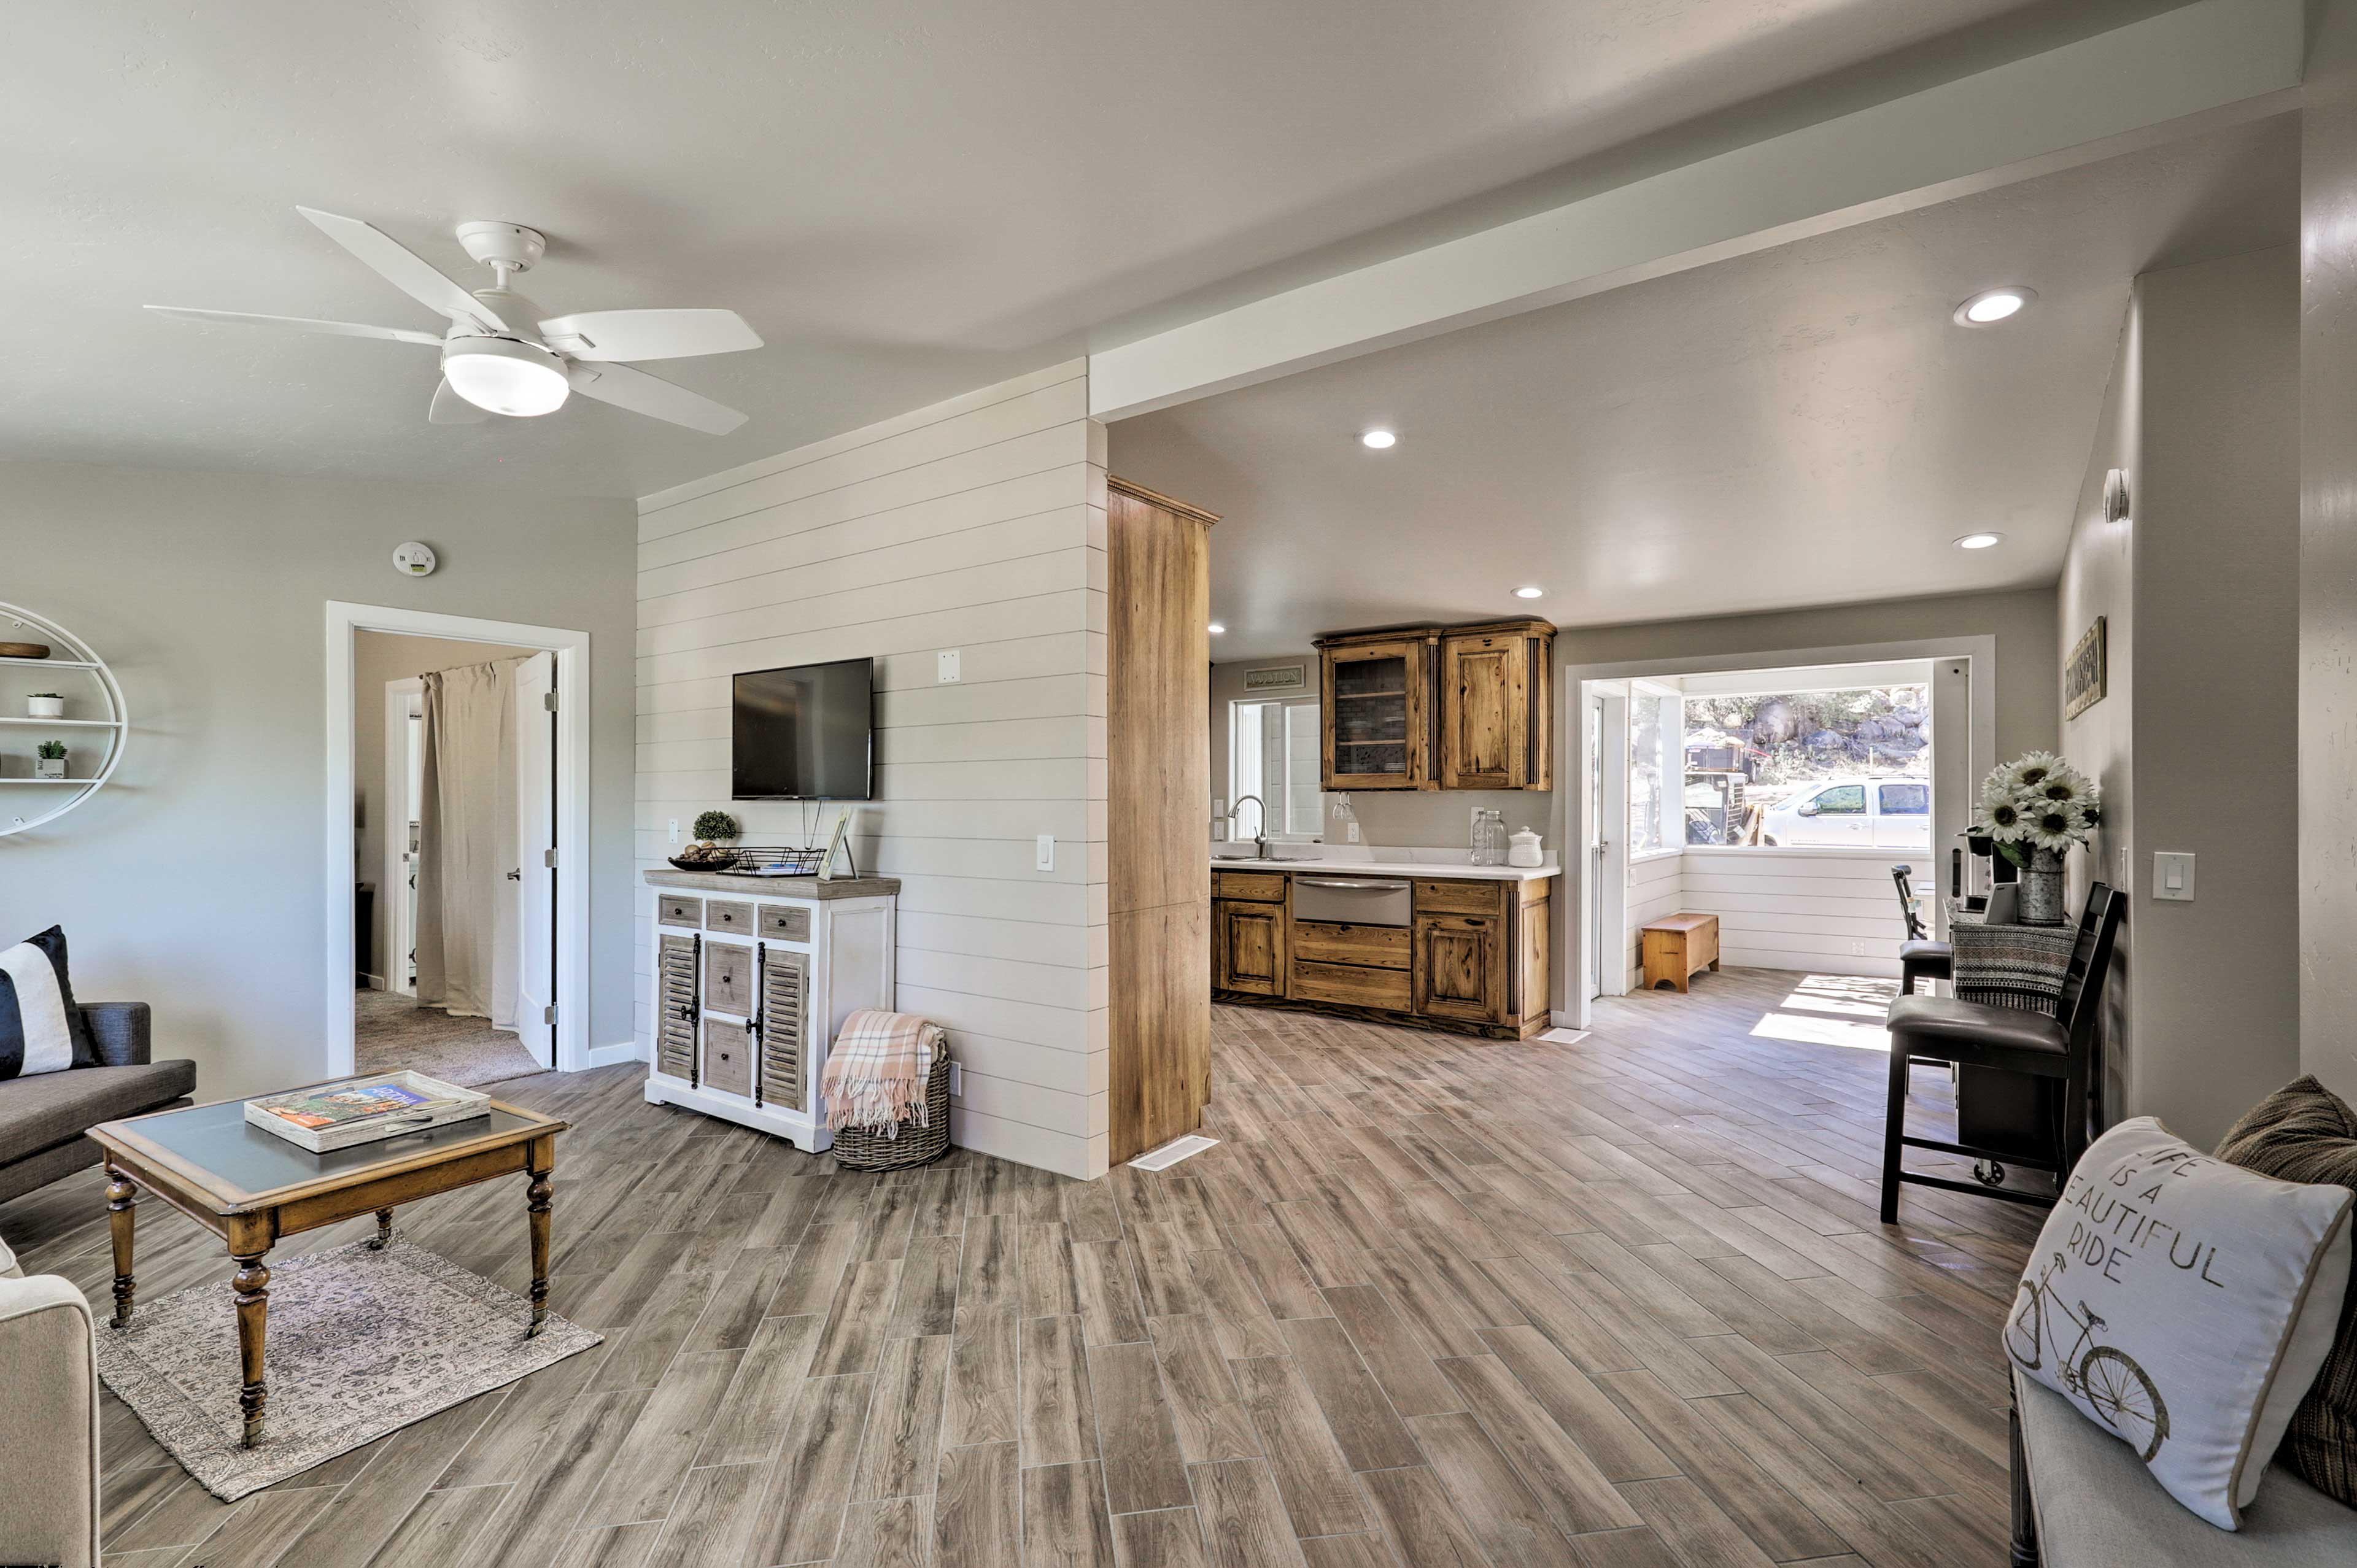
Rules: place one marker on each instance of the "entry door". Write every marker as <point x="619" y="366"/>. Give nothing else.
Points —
<point x="1596" y="945"/>
<point x="536" y="851"/>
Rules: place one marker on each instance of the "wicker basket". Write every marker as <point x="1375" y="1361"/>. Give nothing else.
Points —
<point x="867" y="1149"/>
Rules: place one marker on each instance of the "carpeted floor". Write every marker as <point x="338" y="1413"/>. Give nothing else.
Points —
<point x="391" y="1032"/>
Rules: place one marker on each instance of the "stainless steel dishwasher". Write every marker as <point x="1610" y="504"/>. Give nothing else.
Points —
<point x="1353" y="901"/>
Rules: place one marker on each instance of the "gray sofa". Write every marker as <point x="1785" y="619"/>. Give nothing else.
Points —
<point x="2081" y="1500"/>
<point x="43" y="1118"/>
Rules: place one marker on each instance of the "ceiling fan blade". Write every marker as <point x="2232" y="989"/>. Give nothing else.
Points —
<point x="409" y="273"/>
<point x="302" y="324"/>
<point x="647" y="334"/>
<point x="449" y="408"/>
<point x="651" y="395"/>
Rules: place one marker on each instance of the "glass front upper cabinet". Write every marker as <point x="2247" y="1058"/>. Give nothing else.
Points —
<point x="1377" y="712"/>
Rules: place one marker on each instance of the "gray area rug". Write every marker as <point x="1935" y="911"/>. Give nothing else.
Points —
<point x="390" y="1032"/>
<point x="360" y="1343"/>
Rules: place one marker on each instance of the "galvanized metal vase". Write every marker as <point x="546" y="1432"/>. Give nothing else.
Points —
<point x="2041" y="889"/>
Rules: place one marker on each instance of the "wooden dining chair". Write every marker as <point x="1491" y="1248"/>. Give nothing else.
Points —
<point x="1920" y="957"/>
<point x="2008" y="1039"/>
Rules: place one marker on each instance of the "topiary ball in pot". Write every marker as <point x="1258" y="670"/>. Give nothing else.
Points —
<point x="713" y="826"/>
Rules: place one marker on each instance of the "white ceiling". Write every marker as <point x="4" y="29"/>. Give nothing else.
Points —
<point x="906" y="200"/>
<point x="1802" y="426"/>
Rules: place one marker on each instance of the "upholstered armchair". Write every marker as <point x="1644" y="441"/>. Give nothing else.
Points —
<point x="49" y="1421"/>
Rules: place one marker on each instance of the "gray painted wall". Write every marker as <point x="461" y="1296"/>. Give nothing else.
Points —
<point x="1427" y="819"/>
<point x="2096" y="582"/>
<point x="2328" y="552"/>
<point x="194" y="881"/>
<point x="2216" y="566"/>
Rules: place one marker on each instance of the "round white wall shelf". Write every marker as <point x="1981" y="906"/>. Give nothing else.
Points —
<point x="96" y="714"/>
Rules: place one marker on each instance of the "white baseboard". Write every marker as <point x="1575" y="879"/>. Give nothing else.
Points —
<point x="607" y="1055"/>
<point x="374" y="983"/>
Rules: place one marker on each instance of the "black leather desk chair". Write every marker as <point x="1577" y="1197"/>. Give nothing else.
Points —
<point x="2009" y="1039"/>
<point x="1920" y="958"/>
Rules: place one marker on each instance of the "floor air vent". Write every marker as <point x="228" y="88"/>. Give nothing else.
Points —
<point x="1170" y="1154"/>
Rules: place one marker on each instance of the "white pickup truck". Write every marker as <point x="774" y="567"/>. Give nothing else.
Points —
<point x="1862" y="813"/>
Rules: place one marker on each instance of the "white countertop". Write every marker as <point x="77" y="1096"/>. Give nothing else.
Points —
<point x="1381" y="861"/>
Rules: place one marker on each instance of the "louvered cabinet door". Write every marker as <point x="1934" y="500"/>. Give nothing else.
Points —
<point x="675" y="1004"/>
<point x="785" y="1028"/>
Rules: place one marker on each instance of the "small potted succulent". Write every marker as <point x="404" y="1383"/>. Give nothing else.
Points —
<point x="710" y="851"/>
<point x="45" y="706"/>
<point x="50" y="762"/>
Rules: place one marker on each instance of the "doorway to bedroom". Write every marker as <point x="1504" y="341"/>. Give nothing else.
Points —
<point x="457" y="889"/>
<point x="453" y="930"/>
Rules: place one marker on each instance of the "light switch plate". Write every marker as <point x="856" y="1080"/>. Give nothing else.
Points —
<point x="674" y="829"/>
<point x="946" y="667"/>
<point x="1045" y="860"/>
<point x="2172" y="876"/>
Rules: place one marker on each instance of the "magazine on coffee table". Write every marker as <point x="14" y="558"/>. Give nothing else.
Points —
<point x="337" y="1115"/>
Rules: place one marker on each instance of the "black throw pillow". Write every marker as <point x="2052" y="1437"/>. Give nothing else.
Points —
<point x="41" y="1030"/>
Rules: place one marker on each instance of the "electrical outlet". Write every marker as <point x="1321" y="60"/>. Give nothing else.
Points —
<point x="674" y="829"/>
<point x="946" y="667"/>
<point x="1045" y="859"/>
<point x="1858" y="949"/>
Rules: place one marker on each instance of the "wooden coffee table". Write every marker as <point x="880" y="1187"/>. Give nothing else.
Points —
<point x="250" y="1187"/>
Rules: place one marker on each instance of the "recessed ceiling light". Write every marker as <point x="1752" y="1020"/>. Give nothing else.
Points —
<point x="1979" y="540"/>
<point x="1217" y="629"/>
<point x="1529" y="593"/>
<point x="1993" y="305"/>
<point x="1378" y="439"/>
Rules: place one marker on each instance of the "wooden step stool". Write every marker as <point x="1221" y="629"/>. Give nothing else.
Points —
<point x="1678" y="947"/>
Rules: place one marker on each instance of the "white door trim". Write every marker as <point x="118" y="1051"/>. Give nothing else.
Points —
<point x="572" y="651"/>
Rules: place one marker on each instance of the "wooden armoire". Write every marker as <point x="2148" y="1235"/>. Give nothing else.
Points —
<point x="1158" y="778"/>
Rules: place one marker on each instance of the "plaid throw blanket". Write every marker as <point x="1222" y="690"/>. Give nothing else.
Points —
<point x="875" y="1074"/>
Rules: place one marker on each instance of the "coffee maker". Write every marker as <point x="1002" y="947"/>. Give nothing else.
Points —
<point x="1976" y="868"/>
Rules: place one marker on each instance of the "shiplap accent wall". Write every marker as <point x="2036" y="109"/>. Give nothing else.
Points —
<point x="1656" y="888"/>
<point x="976" y="524"/>
<point x="1834" y="913"/>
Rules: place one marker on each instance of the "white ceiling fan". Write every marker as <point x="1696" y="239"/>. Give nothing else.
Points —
<point x="502" y="354"/>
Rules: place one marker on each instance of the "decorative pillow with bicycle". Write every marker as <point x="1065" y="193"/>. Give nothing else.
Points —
<point x="2184" y="1305"/>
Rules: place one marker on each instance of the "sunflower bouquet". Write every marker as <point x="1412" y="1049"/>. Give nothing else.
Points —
<point x="2039" y="802"/>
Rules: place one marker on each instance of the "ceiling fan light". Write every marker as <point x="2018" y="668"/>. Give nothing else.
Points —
<point x="502" y="375"/>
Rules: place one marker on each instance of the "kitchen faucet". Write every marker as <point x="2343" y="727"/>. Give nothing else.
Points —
<point x="1260" y="838"/>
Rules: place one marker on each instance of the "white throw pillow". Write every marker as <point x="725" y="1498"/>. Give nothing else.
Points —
<point x="2185" y="1305"/>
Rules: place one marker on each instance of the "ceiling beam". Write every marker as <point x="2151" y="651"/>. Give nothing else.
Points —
<point x="2212" y="63"/>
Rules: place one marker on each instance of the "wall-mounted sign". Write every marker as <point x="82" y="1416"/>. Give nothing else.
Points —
<point x="1277" y="678"/>
<point x="2083" y="672"/>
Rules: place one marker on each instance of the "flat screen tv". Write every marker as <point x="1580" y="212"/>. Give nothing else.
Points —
<point x="802" y="733"/>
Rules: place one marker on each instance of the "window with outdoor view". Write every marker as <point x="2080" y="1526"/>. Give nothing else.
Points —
<point x="1842" y="769"/>
<point x="1273" y="754"/>
<point x="1653" y="771"/>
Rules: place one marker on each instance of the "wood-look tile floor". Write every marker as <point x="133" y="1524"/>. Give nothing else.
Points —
<point x="1621" y="1303"/>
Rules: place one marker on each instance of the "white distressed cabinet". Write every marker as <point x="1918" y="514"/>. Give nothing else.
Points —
<point x="753" y="980"/>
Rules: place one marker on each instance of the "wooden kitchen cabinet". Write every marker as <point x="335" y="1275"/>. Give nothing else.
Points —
<point x="1472" y="956"/>
<point x="1496" y="688"/>
<point x="1249" y="949"/>
<point x="1460" y="968"/>
<point x="1376" y="717"/>
<point x="1463" y="707"/>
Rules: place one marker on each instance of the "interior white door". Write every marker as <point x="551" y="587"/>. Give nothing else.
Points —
<point x="397" y="904"/>
<point x="537" y="850"/>
<point x="1596" y="948"/>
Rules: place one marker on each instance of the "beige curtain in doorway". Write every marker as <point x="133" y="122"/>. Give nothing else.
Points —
<point x="467" y="909"/>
